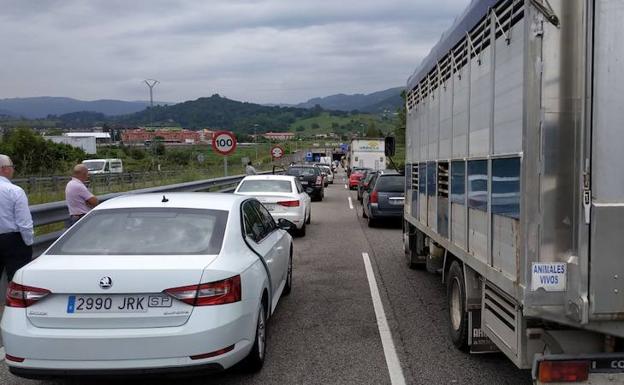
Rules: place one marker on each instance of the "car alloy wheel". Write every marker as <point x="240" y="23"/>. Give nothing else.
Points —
<point x="255" y="359"/>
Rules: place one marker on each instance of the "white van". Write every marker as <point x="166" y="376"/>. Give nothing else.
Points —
<point x="104" y="166"/>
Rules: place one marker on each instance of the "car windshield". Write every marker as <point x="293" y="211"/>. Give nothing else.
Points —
<point x="94" y="165"/>
<point x="391" y="183"/>
<point x="145" y="231"/>
<point x="305" y="171"/>
<point x="282" y="186"/>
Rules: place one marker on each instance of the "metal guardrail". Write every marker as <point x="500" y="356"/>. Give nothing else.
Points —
<point x="97" y="182"/>
<point x="55" y="212"/>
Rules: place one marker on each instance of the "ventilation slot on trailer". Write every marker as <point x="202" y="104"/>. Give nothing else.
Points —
<point x="506" y="15"/>
<point x="415" y="177"/>
<point x="501" y="318"/>
<point x="443" y="179"/>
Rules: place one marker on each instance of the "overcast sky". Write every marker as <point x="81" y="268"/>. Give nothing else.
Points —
<point x="282" y="51"/>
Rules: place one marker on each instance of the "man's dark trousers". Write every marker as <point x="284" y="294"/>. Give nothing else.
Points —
<point x="14" y="253"/>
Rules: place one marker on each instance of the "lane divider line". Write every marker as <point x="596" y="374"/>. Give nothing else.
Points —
<point x="346" y="187"/>
<point x="392" y="358"/>
<point x="350" y="203"/>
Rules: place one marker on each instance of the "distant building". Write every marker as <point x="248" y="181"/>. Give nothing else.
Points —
<point x="86" y="143"/>
<point x="279" y="135"/>
<point x="100" y="137"/>
<point x="205" y="135"/>
<point x="171" y="136"/>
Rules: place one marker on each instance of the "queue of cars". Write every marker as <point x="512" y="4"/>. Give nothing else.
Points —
<point x="212" y="270"/>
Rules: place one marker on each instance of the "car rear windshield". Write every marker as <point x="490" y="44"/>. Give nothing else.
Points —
<point x="297" y="171"/>
<point x="282" y="186"/>
<point x="390" y="183"/>
<point x="145" y="231"/>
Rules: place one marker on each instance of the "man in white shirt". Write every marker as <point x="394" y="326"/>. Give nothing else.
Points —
<point x="16" y="225"/>
<point x="250" y="169"/>
<point x="79" y="199"/>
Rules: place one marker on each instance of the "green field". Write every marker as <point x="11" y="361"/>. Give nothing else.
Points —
<point x="326" y="123"/>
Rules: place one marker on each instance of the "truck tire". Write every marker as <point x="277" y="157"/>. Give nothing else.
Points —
<point x="409" y="246"/>
<point x="458" y="316"/>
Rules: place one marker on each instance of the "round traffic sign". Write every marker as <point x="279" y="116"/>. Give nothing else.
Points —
<point x="277" y="151"/>
<point x="224" y="142"/>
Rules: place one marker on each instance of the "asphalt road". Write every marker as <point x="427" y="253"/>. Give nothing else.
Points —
<point x="327" y="330"/>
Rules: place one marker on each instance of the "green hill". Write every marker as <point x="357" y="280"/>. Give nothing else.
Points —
<point x="326" y="123"/>
<point x="217" y="112"/>
<point x="221" y="113"/>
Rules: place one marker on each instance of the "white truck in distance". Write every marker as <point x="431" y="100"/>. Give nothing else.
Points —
<point x="367" y="153"/>
<point x="104" y="166"/>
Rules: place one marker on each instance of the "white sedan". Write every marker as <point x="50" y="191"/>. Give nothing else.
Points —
<point x="282" y="195"/>
<point x="151" y="283"/>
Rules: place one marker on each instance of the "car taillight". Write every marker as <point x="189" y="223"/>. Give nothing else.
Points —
<point x="563" y="371"/>
<point x="319" y="180"/>
<point x="289" y="203"/>
<point x="374" y="197"/>
<point x="23" y="296"/>
<point x="206" y="294"/>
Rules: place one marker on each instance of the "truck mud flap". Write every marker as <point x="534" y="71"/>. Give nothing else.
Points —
<point x="478" y="341"/>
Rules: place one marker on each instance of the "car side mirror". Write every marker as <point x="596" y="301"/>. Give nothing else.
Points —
<point x="389" y="146"/>
<point x="285" y="224"/>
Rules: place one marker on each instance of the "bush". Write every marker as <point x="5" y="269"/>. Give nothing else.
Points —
<point x="33" y="155"/>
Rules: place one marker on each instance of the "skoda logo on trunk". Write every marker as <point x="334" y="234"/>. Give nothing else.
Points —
<point x="106" y="282"/>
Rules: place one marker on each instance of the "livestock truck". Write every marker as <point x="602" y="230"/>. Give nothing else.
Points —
<point x="515" y="183"/>
<point x="367" y="153"/>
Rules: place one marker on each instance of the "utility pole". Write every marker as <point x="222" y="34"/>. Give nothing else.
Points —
<point x="256" y="142"/>
<point x="151" y="83"/>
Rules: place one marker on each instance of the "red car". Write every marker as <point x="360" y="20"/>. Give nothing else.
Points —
<point x="354" y="179"/>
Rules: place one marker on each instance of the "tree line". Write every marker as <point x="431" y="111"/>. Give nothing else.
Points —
<point x="33" y="155"/>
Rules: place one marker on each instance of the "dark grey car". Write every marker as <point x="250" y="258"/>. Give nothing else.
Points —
<point x="311" y="178"/>
<point x="384" y="197"/>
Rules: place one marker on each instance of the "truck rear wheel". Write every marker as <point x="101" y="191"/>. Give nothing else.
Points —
<point x="410" y="246"/>
<point x="458" y="316"/>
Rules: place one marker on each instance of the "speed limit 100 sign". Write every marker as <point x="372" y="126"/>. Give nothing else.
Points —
<point x="224" y="142"/>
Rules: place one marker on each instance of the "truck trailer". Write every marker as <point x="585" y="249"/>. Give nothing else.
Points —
<point x="515" y="186"/>
<point x="367" y="153"/>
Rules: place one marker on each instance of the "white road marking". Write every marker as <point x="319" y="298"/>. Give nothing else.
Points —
<point x="392" y="359"/>
<point x="346" y="187"/>
<point x="350" y="203"/>
<point x="1" y="353"/>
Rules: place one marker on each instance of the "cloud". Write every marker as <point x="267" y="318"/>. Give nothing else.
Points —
<point x="254" y="50"/>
